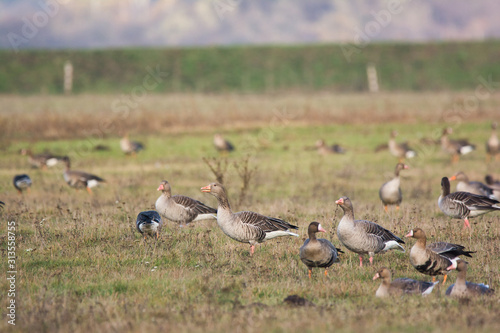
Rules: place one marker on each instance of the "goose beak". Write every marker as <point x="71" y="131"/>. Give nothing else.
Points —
<point x="452" y="178"/>
<point x="206" y="189"/>
<point x="410" y="234"/>
<point x="320" y="229"/>
<point x="160" y="188"/>
<point x="376" y="276"/>
<point x="406" y="167"/>
<point x="340" y="201"/>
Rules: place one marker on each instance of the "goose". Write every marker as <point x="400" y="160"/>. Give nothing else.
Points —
<point x="318" y="252"/>
<point x="130" y="147"/>
<point x="464" y="185"/>
<point x="464" y="205"/>
<point x="491" y="182"/>
<point x="221" y="144"/>
<point x="246" y="227"/>
<point x="80" y="179"/>
<point x="41" y="161"/>
<point x="364" y="237"/>
<point x="390" y="192"/>
<point x="493" y="144"/>
<point x="400" y="150"/>
<point x="462" y="288"/>
<point x="149" y="223"/>
<point x="2" y="204"/>
<point x="455" y="147"/>
<point x="180" y="208"/>
<point x="401" y="285"/>
<point x="324" y="149"/>
<point x="22" y="182"/>
<point x="434" y="259"/>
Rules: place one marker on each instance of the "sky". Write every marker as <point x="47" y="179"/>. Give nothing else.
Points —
<point x="100" y="24"/>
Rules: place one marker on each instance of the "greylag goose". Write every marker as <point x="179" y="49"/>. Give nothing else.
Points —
<point x="434" y="259"/>
<point x="390" y="192"/>
<point x="80" y="179"/>
<point x="149" y="223"/>
<point x="462" y="288"/>
<point x="221" y="144"/>
<point x="401" y="285"/>
<point x="455" y="147"/>
<point x="364" y="237"/>
<point x="493" y="144"/>
<point x="41" y="161"/>
<point x="130" y="147"/>
<point x="318" y="252"/>
<point x="491" y="182"/>
<point x="180" y="208"/>
<point x="246" y="227"/>
<point x="478" y="188"/>
<point x="324" y="149"/>
<point x="464" y="205"/>
<point x="22" y="182"/>
<point x="400" y="150"/>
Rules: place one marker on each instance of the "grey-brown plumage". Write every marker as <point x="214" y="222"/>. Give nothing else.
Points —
<point x="130" y="147"/>
<point x="42" y="160"/>
<point x="455" y="147"/>
<point x="400" y="286"/>
<point x="180" y="208"/>
<point x="221" y="144"/>
<point x="462" y="205"/>
<point x="80" y="179"/>
<point x="493" y="144"/>
<point x="324" y="149"/>
<point x="464" y="185"/>
<point x="364" y="237"/>
<point x="434" y="259"/>
<point x="463" y="289"/>
<point x="400" y="150"/>
<point x="246" y="227"/>
<point x="390" y="192"/>
<point x="22" y="183"/>
<point x="318" y="252"/>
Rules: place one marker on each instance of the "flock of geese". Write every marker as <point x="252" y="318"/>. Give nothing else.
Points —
<point x="362" y="237"/>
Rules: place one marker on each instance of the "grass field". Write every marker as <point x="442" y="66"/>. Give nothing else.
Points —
<point x="81" y="265"/>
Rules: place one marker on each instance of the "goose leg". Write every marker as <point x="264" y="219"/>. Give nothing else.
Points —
<point x="466" y="223"/>
<point x="310" y="272"/>
<point x="386" y="209"/>
<point x="371" y="260"/>
<point x="252" y="249"/>
<point x="445" y="279"/>
<point x="397" y="207"/>
<point x="326" y="272"/>
<point x="89" y="190"/>
<point x="433" y="279"/>
<point x="360" y="261"/>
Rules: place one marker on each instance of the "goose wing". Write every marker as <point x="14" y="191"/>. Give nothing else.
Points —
<point x="265" y="223"/>
<point x="193" y="206"/>
<point x="374" y="229"/>
<point x="473" y="201"/>
<point x="449" y="250"/>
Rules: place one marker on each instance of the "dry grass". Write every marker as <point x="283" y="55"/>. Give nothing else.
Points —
<point x="85" y="268"/>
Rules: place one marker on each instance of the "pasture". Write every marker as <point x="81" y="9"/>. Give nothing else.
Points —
<point x="82" y="266"/>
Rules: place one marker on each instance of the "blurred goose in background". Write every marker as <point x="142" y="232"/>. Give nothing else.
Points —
<point x="149" y="223"/>
<point x="41" y="161"/>
<point x="80" y="179"/>
<point x="2" y="204"/>
<point x="221" y="144"/>
<point x="462" y="288"/>
<point x="364" y="237"/>
<point x="400" y="150"/>
<point x="493" y="144"/>
<point x="401" y="285"/>
<point x="464" y="185"/>
<point x="246" y="227"/>
<point x="390" y="192"/>
<point x="318" y="252"/>
<point x="324" y="149"/>
<point x="455" y="147"/>
<point x="464" y="205"/>
<point x="130" y="147"/>
<point x="180" y="208"/>
<point x="436" y="258"/>
<point x="491" y="182"/>
<point x="22" y="182"/>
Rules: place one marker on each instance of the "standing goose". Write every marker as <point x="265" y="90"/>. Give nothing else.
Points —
<point x="22" y="182"/>
<point x="221" y="144"/>
<point x="318" y="252"/>
<point x="324" y="149"/>
<point x="41" y="161"/>
<point x="149" y="223"/>
<point x="180" y="208"/>
<point x="130" y="147"/>
<point x="400" y="150"/>
<point x="434" y="259"/>
<point x="464" y="205"/>
<point x="455" y="147"/>
<point x="390" y="192"/>
<point x="478" y="188"/>
<point x="364" y="237"/>
<point x="401" y="285"/>
<point x="462" y="288"/>
<point x="80" y="179"/>
<point x="493" y="144"/>
<point x="246" y="227"/>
